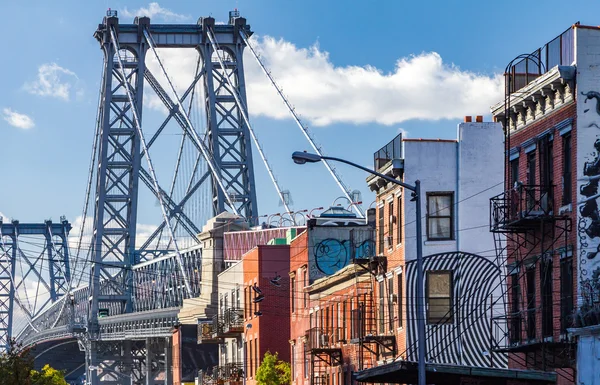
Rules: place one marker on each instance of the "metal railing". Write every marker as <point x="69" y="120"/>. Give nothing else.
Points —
<point x="233" y="320"/>
<point x="205" y="331"/>
<point x="588" y="313"/>
<point x="392" y="150"/>
<point x="518" y="203"/>
<point x="320" y="338"/>
<point x="559" y="51"/>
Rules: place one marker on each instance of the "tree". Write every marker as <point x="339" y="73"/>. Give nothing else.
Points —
<point x="16" y="365"/>
<point x="48" y="376"/>
<point x="273" y="371"/>
<point x="16" y="368"/>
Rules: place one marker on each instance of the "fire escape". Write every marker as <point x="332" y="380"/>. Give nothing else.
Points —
<point x="324" y="346"/>
<point x="529" y="231"/>
<point x="229" y="324"/>
<point x="373" y="345"/>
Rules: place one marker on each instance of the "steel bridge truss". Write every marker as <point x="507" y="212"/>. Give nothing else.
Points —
<point x="34" y="270"/>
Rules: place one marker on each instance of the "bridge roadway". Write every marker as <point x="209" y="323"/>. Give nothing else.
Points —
<point x="58" y="336"/>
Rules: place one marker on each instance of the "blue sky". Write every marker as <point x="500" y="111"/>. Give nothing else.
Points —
<point x="359" y="72"/>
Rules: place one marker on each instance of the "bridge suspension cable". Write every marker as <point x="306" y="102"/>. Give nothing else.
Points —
<point x="138" y="126"/>
<point x="194" y="135"/>
<point x="302" y="127"/>
<point x="244" y="113"/>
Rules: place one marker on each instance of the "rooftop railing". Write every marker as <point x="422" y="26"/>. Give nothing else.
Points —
<point x="559" y="51"/>
<point x="392" y="150"/>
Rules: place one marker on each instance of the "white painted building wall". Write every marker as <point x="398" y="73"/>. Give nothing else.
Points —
<point x="587" y="54"/>
<point x="230" y="287"/>
<point x="472" y="168"/>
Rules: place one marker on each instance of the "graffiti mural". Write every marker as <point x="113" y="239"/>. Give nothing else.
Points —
<point x="333" y="249"/>
<point x="332" y="254"/>
<point x="588" y="224"/>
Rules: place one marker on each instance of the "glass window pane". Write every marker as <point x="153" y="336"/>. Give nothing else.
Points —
<point x="439" y="284"/>
<point x="439" y="228"/>
<point x="440" y="205"/>
<point x="439" y="310"/>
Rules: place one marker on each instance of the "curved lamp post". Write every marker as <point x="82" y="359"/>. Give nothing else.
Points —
<point x="301" y="157"/>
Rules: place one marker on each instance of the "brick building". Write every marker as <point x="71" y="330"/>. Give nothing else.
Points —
<point x="464" y="294"/>
<point x="331" y="302"/>
<point x="267" y="310"/>
<point x="551" y="140"/>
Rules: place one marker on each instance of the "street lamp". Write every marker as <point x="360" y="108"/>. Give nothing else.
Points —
<point x="301" y="157"/>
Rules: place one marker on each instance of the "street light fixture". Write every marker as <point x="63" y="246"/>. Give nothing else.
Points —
<point x="302" y="157"/>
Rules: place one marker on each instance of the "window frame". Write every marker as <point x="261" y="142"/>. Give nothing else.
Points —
<point x="567" y="175"/>
<point x="567" y="303"/>
<point x="381" y="228"/>
<point x="391" y="223"/>
<point x="450" y="319"/>
<point x="293" y="291"/>
<point x="399" y="219"/>
<point x="399" y="296"/>
<point x="390" y="285"/>
<point x="514" y="171"/>
<point x="382" y="307"/>
<point x="430" y="216"/>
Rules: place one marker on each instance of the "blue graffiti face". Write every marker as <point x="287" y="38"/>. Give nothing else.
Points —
<point x="365" y="250"/>
<point x="331" y="255"/>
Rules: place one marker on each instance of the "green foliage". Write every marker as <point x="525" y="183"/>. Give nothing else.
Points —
<point x="16" y="368"/>
<point x="273" y="371"/>
<point x="48" y="376"/>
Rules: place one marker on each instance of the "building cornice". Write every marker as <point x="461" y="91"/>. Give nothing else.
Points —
<point x="540" y="98"/>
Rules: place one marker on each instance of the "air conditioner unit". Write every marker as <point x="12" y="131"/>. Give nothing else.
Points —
<point x="324" y="340"/>
<point x="389" y="240"/>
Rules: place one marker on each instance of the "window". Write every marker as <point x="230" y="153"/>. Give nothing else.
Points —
<point x="440" y="214"/>
<point x="246" y="300"/>
<point x="256" y="357"/>
<point x="391" y="303"/>
<point x="304" y="293"/>
<point x="246" y="356"/>
<point x="531" y="178"/>
<point x="381" y="230"/>
<point x="391" y="224"/>
<point x="381" y="307"/>
<point x="514" y="172"/>
<point x="399" y="293"/>
<point x="399" y="219"/>
<point x="567" y="169"/>
<point x="238" y="300"/>
<point x="293" y="291"/>
<point x="531" y="168"/>
<point x="305" y="362"/>
<point x="546" y="288"/>
<point x="566" y="293"/>
<point x="293" y="360"/>
<point x="515" y="326"/>
<point x="531" y="303"/>
<point x="250" y="351"/>
<point x="439" y="297"/>
<point x="343" y="316"/>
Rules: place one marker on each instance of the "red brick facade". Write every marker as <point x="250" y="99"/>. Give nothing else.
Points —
<point x="269" y="331"/>
<point x="524" y="258"/>
<point x="391" y="201"/>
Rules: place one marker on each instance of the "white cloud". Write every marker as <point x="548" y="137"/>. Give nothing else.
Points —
<point x="419" y="87"/>
<point x="155" y="11"/>
<point x="403" y="132"/>
<point x="54" y="81"/>
<point x="18" y="120"/>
